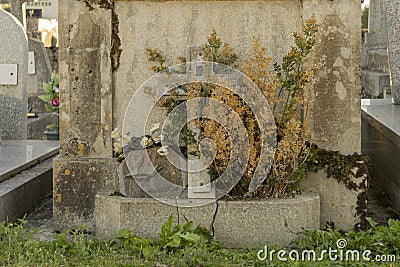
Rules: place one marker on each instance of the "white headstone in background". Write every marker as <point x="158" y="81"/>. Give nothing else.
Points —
<point x="39" y="69"/>
<point x="13" y="94"/>
<point x="31" y="63"/>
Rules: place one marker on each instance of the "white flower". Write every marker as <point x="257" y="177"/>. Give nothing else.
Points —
<point x="146" y="142"/>
<point x="155" y="127"/>
<point x="126" y="139"/>
<point x="163" y="151"/>
<point x="157" y="139"/>
<point x="56" y="89"/>
<point x="115" y="134"/>
<point x="118" y="147"/>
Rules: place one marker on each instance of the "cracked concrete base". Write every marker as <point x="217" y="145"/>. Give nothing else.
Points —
<point x="236" y="223"/>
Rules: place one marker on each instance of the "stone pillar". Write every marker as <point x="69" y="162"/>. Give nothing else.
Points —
<point x="13" y="77"/>
<point x="336" y="105"/>
<point x="393" y="21"/>
<point x="85" y="165"/>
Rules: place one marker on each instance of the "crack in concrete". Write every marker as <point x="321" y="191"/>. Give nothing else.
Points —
<point x="213" y="220"/>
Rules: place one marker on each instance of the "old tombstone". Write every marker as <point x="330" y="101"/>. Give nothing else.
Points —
<point x="102" y="65"/>
<point x="375" y="76"/>
<point x="13" y="77"/>
<point x="39" y="67"/>
<point x="393" y="33"/>
<point x="39" y="71"/>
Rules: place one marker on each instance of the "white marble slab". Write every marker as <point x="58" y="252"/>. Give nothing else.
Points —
<point x="18" y="155"/>
<point x="384" y="111"/>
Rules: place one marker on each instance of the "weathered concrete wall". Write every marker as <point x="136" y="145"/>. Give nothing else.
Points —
<point x="103" y="62"/>
<point x="171" y="26"/>
<point x="341" y="207"/>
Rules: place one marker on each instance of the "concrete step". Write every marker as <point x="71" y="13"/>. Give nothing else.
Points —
<point x="377" y="60"/>
<point x="19" y="155"/>
<point x="375" y="83"/>
<point x="25" y="175"/>
<point x="20" y="194"/>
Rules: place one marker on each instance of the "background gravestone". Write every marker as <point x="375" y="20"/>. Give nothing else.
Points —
<point x="13" y="91"/>
<point x="375" y="76"/>
<point x="40" y="72"/>
<point x="16" y="7"/>
<point x="42" y="67"/>
<point x="393" y="21"/>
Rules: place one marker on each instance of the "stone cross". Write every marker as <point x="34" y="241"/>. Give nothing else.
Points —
<point x="199" y="183"/>
<point x="13" y="77"/>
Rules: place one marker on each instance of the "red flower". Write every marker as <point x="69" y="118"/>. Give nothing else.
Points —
<point x="55" y="102"/>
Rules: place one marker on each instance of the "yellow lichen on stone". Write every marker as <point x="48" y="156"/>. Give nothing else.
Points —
<point x="81" y="148"/>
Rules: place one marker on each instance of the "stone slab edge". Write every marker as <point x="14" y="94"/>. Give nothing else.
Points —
<point x="29" y="164"/>
<point x="20" y="194"/>
<point x="381" y="127"/>
<point x="234" y="223"/>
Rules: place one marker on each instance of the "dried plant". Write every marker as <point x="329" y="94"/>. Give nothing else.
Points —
<point x="287" y="88"/>
<point x="288" y="91"/>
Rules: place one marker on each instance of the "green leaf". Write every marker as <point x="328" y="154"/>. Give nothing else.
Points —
<point x="371" y="222"/>
<point x="166" y="230"/>
<point x="48" y="88"/>
<point x="55" y="79"/>
<point x="175" y="241"/>
<point x="191" y="237"/>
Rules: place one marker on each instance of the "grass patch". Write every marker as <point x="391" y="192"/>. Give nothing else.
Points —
<point x="181" y="245"/>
